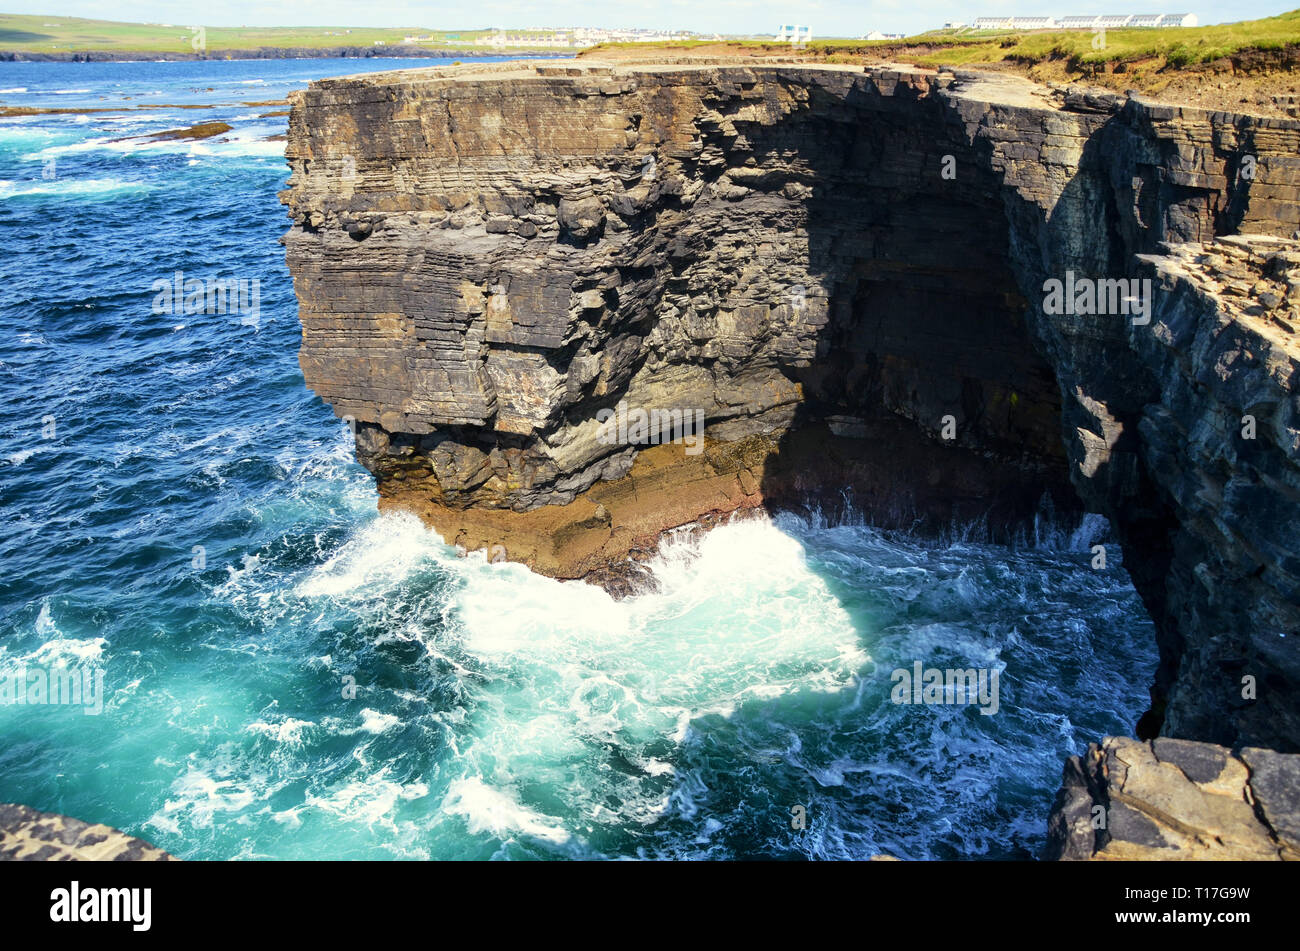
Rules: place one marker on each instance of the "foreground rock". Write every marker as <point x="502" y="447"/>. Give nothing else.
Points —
<point x="30" y="836"/>
<point x="1177" y="800"/>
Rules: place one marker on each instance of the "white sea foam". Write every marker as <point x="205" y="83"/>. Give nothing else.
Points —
<point x="287" y="732"/>
<point x="498" y="812"/>
<point x="69" y="186"/>
<point x="198" y="798"/>
<point x="379" y="557"/>
<point x="367" y="801"/>
<point x="372" y="721"/>
<point x="738" y="618"/>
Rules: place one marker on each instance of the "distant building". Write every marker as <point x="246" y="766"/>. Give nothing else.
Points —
<point x="578" y="37"/>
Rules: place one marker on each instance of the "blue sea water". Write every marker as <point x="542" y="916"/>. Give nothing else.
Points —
<point x="289" y="674"/>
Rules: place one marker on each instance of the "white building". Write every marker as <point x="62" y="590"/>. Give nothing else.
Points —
<point x="577" y="37"/>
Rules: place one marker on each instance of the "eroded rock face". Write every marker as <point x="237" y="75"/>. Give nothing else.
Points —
<point x="1176" y="800"/>
<point x="839" y="268"/>
<point x="483" y="269"/>
<point x="1220" y="443"/>
<point x="29" y="835"/>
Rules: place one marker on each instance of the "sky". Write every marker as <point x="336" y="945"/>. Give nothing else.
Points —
<point x="826" y="17"/>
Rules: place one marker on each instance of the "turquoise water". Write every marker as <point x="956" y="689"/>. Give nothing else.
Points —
<point x="320" y="681"/>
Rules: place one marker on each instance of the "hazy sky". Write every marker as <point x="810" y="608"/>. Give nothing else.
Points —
<point x="826" y="17"/>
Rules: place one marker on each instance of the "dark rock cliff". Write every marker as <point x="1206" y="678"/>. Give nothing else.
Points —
<point x="844" y="271"/>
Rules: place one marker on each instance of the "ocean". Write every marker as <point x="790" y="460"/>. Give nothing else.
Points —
<point x="289" y="674"/>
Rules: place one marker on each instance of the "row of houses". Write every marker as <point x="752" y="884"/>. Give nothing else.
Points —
<point x="578" y="37"/>
<point x="1101" y="22"/>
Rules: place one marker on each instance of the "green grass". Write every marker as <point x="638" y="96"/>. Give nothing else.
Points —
<point x="48" y="34"/>
<point x="1176" y="46"/>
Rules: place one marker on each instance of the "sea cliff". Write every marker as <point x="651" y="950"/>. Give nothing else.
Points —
<point x="846" y="271"/>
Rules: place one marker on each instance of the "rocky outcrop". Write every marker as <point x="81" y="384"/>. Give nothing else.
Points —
<point x="1176" y="800"/>
<point x="845" y="272"/>
<point x="30" y="836"/>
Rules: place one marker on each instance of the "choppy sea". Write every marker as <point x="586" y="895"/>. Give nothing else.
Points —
<point x="289" y="674"/>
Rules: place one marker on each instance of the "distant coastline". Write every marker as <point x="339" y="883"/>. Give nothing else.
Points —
<point x="262" y="52"/>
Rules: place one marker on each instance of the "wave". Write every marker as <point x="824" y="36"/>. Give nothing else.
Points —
<point x="70" y="187"/>
<point x="498" y="813"/>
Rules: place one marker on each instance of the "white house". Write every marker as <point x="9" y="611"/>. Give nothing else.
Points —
<point x="1032" y="23"/>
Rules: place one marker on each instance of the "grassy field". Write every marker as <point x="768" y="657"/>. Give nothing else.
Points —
<point x="48" y="34"/>
<point x="1176" y="47"/>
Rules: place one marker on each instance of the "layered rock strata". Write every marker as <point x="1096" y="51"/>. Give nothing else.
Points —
<point x="844" y="271"/>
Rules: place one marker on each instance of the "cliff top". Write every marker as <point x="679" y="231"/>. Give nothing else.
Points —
<point x="991" y="86"/>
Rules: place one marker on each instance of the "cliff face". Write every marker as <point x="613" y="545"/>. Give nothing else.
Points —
<point x="843" y="273"/>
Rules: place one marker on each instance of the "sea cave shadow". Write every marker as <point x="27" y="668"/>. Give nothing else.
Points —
<point x="941" y="401"/>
